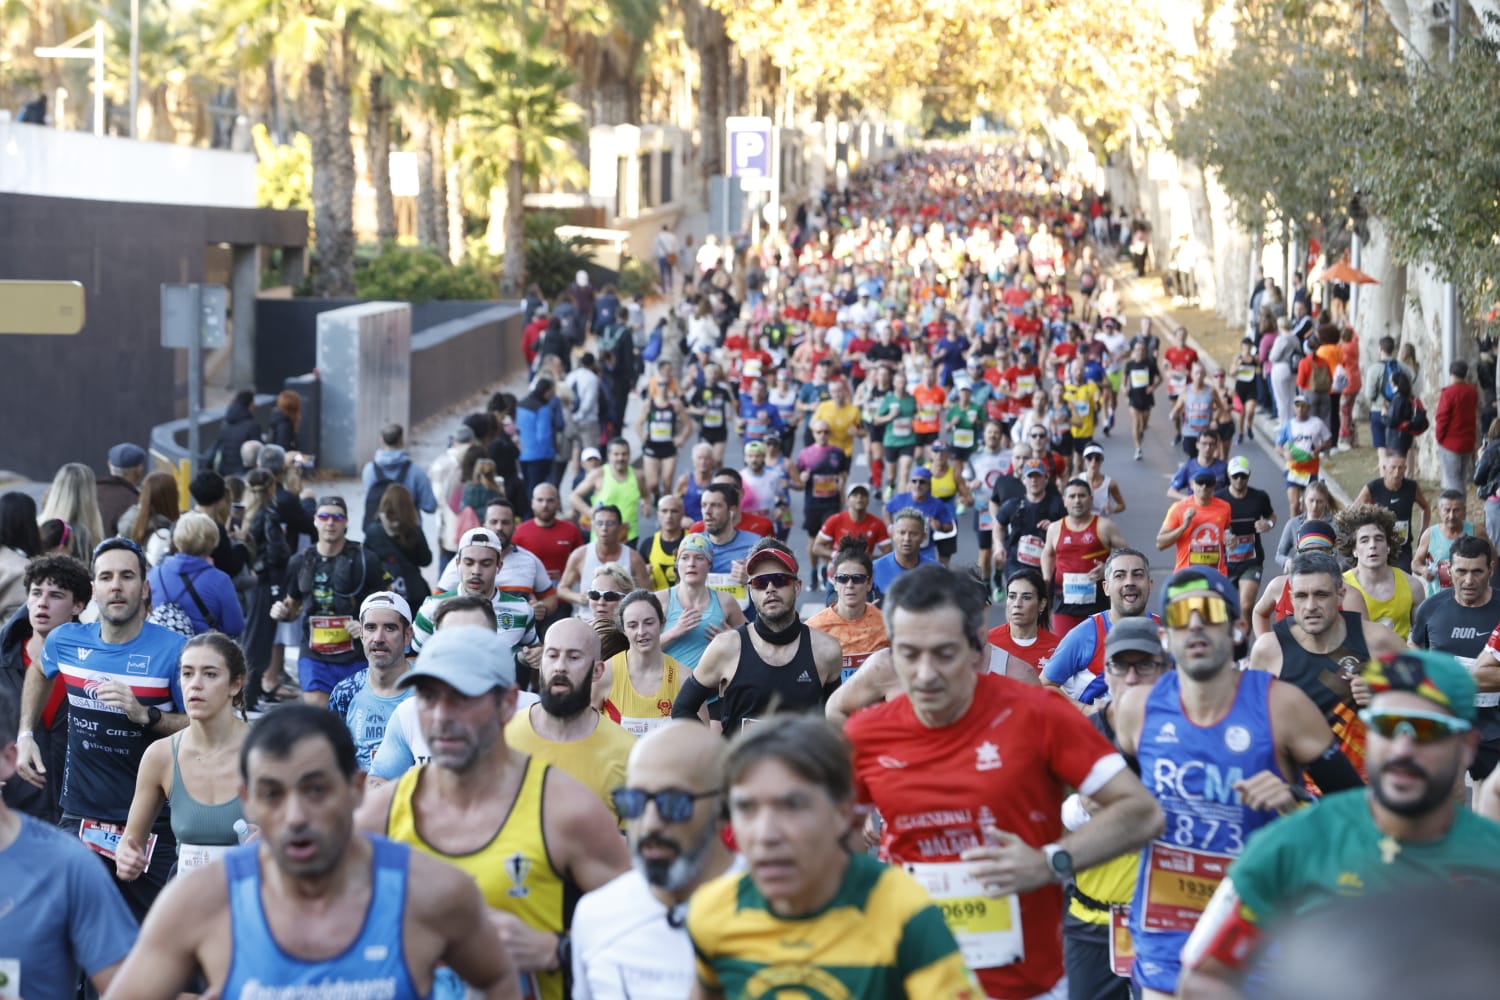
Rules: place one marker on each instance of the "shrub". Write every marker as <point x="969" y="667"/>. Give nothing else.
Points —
<point x="637" y="277"/>
<point x="419" y="274"/>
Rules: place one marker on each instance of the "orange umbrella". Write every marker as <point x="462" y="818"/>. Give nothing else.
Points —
<point x="1344" y="272"/>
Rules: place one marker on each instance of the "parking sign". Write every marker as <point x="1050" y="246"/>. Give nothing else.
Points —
<point x="750" y="147"/>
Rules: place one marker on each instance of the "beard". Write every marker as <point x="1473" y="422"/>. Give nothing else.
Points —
<point x="1439" y="788"/>
<point x="571" y="703"/>
<point x="676" y="874"/>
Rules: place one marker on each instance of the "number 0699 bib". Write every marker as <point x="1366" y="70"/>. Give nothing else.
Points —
<point x="988" y="930"/>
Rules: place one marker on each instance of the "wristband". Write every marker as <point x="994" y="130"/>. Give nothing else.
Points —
<point x="25" y="732"/>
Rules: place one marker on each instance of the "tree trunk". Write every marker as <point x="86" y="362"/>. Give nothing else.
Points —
<point x="315" y="121"/>
<point x="378" y="154"/>
<point x="513" y="276"/>
<point x="457" y="233"/>
<point x="713" y="53"/>
<point x="339" y="251"/>
<point x="421" y="143"/>
<point x="440" y="189"/>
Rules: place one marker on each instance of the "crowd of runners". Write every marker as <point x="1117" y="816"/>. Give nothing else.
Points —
<point x="601" y="754"/>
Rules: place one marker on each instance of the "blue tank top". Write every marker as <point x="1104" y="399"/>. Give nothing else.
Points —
<point x="688" y="649"/>
<point x="692" y="500"/>
<point x="1192" y="770"/>
<point x="374" y="965"/>
<point x="1197" y="411"/>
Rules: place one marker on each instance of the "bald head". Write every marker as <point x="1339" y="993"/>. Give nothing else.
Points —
<point x="676" y="775"/>
<point x="681" y="754"/>
<point x="573" y="635"/>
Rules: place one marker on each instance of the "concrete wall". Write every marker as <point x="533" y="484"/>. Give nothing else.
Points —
<point x="364" y="362"/>
<point x="76" y="396"/>
<point x="454" y="360"/>
<point x="38" y="160"/>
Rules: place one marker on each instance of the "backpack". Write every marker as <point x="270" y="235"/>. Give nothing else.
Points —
<point x="1392" y="366"/>
<point x="170" y="615"/>
<point x="653" y="346"/>
<point x="378" y="487"/>
<point x="1321" y="378"/>
<point x="1418" y="422"/>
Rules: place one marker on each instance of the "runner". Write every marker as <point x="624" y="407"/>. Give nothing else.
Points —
<point x="1407" y="829"/>
<point x="928" y="423"/>
<point x="1367" y="534"/>
<point x="1025" y="634"/>
<point x="1321" y="648"/>
<point x="695" y="613"/>
<point x="987" y="834"/>
<point x="824" y="469"/>
<point x="1073" y="557"/>
<point x="728" y="544"/>
<point x="1142" y="379"/>
<point x="1083" y="398"/>
<point x="1205" y="461"/>
<point x="211" y="671"/>
<point x="984" y="471"/>
<point x="664" y="426"/>
<point x="1107" y="498"/>
<point x="852" y="620"/>
<point x="1022" y="523"/>
<point x="531" y="836"/>
<point x="614" y="484"/>
<point x="660" y="550"/>
<point x="629" y="935"/>
<point x="896" y="421"/>
<point x="1275" y="601"/>
<point x="819" y="920"/>
<point x="355" y="913"/>
<point x="1223" y="751"/>
<point x="1250" y="516"/>
<point x="691" y="484"/>
<point x="1402" y="497"/>
<point x="1180" y="359"/>
<point x="908" y="530"/>
<point x="775" y="664"/>
<point x="1078" y="661"/>
<point x="608" y="546"/>
<point x="1431" y="558"/>
<point x="712" y="404"/>
<point x="1300" y="441"/>
<point x="853" y="521"/>
<point x="479" y="561"/>
<point x="641" y="682"/>
<point x="1197" y="526"/>
<point x="548" y="537"/>
<point x="367" y="700"/>
<point x="1246" y="381"/>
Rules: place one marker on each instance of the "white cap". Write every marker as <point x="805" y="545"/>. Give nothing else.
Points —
<point x="1239" y="465"/>
<point x="481" y="536"/>
<point x="589" y="453"/>
<point x="388" y="599"/>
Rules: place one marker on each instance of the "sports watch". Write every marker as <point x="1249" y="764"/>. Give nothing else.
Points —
<point x="1061" y="864"/>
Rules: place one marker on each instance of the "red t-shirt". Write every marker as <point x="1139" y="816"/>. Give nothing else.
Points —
<point x="754" y="365"/>
<point x="839" y="526"/>
<point x="551" y="545"/>
<point x="1007" y="762"/>
<point x="1203" y="543"/>
<point x="1037" y="653"/>
<point x="1027" y="327"/>
<point x="1179" y="358"/>
<point x="753" y="523"/>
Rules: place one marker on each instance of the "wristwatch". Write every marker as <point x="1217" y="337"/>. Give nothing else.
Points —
<point x="153" y="716"/>
<point x="1061" y="864"/>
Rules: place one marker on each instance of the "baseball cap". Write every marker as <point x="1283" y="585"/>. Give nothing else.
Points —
<point x="1434" y="675"/>
<point x="1315" y="535"/>
<point x="334" y="500"/>
<point x="389" y="600"/>
<point x="463" y="435"/>
<point x="785" y="560"/>
<point x="589" y="453"/>
<point x="1205" y="476"/>
<point x="1239" y="465"/>
<point x="857" y="488"/>
<point x="1033" y="468"/>
<point x="127" y="456"/>
<point x="1189" y="582"/>
<point x="921" y="472"/>
<point x="481" y="536"/>
<point x="1093" y="449"/>
<point x="471" y="659"/>
<point x="754" y="446"/>
<point x="1133" y="635"/>
<point x="1299" y="398"/>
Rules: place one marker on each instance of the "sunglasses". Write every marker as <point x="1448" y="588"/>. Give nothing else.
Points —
<point x="1240" y="475"/>
<point x="674" y="806"/>
<point x="331" y="517"/>
<point x="1037" y="437"/>
<point x="1142" y="668"/>
<point x="1093" y="458"/>
<point x="605" y="595"/>
<point x="851" y="578"/>
<point x="768" y="580"/>
<point x="1212" y="608"/>
<point x="1420" y="726"/>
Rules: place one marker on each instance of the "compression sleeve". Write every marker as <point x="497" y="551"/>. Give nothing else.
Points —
<point x="690" y="698"/>
<point x="1332" y="771"/>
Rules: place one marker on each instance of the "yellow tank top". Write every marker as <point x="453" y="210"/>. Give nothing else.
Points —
<point x="638" y="713"/>
<point x="663" y="565"/>
<point x="944" y="486"/>
<point x="514" y="871"/>
<point x="1395" y="612"/>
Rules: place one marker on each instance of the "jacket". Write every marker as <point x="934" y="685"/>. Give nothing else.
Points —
<point x="214" y="589"/>
<point x="538" y="421"/>
<point x="52" y="740"/>
<point x="389" y="461"/>
<point x="1457" y="418"/>
<point x="281" y="432"/>
<point x="116" y="496"/>
<point x="240" y="426"/>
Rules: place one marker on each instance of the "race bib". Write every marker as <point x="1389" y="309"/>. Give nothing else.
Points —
<point x="1245" y="373"/>
<point x="1403" y="532"/>
<point x="725" y="582"/>
<point x="963" y="437"/>
<point x="988" y="930"/>
<point x="1139" y="378"/>
<point x="1241" y="548"/>
<point x="1179" y="883"/>
<point x="825" y="485"/>
<point x="1177" y="381"/>
<point x="330" y="634"/>
<point x="752" y="367"/>
<point x="640" y="727"/>
<point x="852" y="662"/>
<point x="104" y="838"/>
<point x="986" y="520"/>
<point x="1298" y="478"/>
<point x="1029" y="550"/>
<point x="756" y="429"/>
<point x="1121" y="944"/>
<point x="901" y="427"/>
<point x="713" y="418"/>
<point x="1079" y="589"/>
<point x="660" y="430"/>
<point x="1025" y="385"/>
<point x="928" y="414"/>
<point x="1204" y="553"/>
<point x="191" y="856"/>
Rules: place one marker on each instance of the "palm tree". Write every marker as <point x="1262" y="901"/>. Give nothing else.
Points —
<point x="517" y="106"/>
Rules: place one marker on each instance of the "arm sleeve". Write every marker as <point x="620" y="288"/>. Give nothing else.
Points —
<point x="690" y="698"/>
<point x="394" y="757"/>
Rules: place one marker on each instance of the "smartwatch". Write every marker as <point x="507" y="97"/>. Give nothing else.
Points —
<point x="153" y="716"/>
<point x="1061" y="864"/>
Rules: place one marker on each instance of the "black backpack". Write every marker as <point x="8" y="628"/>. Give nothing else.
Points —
<point x="378" y="488"/>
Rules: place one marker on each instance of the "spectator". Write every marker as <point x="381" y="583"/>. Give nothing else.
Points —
<point x="121" y="488"/>
<point x="263" y="534"/>
<point x="539" y="418"/>
<point x="1487" y="479"/>
<point x="20" y="540"/>
<point x="503" y="441"/>
<point x="1456" y="427"/>
<point x="187" y="579"/>
<point x="1282" y="373"/>
<point x="392" y="463"/>
<point x="531" y="336"/>
<point x="1403" y="406"/>
<point x="149" y="522"/>
<point x="1348" y="430"/>
<point x="286" y="420"/>
<point x="396" y="538"/>
<point x="73" y="498"/>
<point x="240" y="426"/>
<point x="211" y="495"/>
<point x="479" y="490"/>
<point x="446" y="477"/>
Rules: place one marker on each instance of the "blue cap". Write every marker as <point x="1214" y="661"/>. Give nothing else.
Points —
<point x="1185" y="582"/>
<point x="921" y="472"/>
<point x="127" y="456"/>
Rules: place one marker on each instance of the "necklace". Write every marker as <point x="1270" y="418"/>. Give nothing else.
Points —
<point x="1389" y="848"/>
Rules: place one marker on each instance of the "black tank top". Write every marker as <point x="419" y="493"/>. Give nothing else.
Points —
<point x="1399" y="502"/>
<point x="756" y="684"/>
<point x="1323" y="676"/>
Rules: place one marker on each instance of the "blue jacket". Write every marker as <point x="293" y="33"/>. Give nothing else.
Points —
<point x="415" y="479"/>
<point x="213" y="586"/>
<point x="537" y="422"/>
